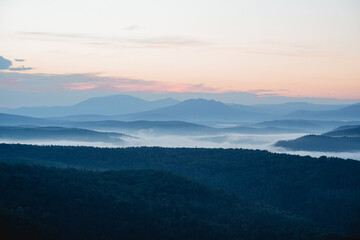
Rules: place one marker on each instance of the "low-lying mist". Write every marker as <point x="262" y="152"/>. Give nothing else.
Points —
<point x="145" y="138"/>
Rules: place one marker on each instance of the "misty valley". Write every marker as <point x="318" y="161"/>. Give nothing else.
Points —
<point x="190" y="123"/>
<point x="121" y="167"/>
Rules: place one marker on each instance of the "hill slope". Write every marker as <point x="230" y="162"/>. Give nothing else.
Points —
<point x="321" y="143"/>
<point x="58" y="133"/>
<point x="156" y="127"/>
<point x="342" y="139"/>
<point x="345" y="131"/>
<point x="351" y="112"/>
<point x="14" y="120"/>
<point x="174" y="128"/>
<point x="278" y="110"/>
<point x="315" y="126"/>
<point x="134" y="204"/>
<point x="324" y="191"/>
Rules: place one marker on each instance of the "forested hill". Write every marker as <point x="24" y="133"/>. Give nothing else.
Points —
<point x="40" y="202"/>
<point x="324" y="191"/>
<point x="345" y="131"/>
<point x="343" y="139"/>
<point x="321" y="143"/>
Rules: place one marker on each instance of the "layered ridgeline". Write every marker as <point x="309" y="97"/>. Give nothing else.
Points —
<point x="321" y="193"/>
<point x="310" y="126"/>
<point x="33" y="133"/>
<point x="351" y="112"/>
<point x="9" y="122"/>
<point x="129" y="108"/>
<point x="343" y="139"/>
<point x="211" y="110"/>
<point x="109" y="105"/>
<point x="177" y="128"/>
<point x="199" y="110"/>
<point x="345" y="131"/>
<point x="15" y="120"/>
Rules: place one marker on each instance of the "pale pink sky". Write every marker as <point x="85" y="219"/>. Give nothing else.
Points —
<point x="290" y="48"/>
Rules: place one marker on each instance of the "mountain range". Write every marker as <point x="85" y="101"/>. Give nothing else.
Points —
<point x="141" y="126"/>
<point x="311" y="126"/>
<point x="125" y="107"/>
<point x="110" y="105"/>
<point x="15" y="120"/>
<point x="198" y="110"/>
<point x="351" y="112"/>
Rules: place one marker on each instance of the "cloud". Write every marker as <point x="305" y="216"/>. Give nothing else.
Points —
<point x="132" y="27"/>
<point x="268" y="92"/>
<point x="22" y="68"/>
<point x="118" y="84"/>
<point x="286" y="49"/>
<point x="57" y="35"/>
<point x="98" y="43"/>
<point x="83" y="82"/>
<point x="123" y="42"/>
<point x="164" y="42"/>
<point x="303" y="53"/>
<point x="4" y="63"/>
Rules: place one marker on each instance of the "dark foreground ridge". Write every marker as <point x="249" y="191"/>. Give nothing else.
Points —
<point x="40" y="202"/>
<point x="285" y="196"/>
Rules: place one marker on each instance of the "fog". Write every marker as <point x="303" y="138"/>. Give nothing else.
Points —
<point x="262" y="142"/>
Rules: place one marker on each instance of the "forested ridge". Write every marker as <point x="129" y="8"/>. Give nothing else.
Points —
<point x="321" y="143"/>
<point x="343" y="139"/>
<point x="291" y="195"/>
<point x="132" y="204"/>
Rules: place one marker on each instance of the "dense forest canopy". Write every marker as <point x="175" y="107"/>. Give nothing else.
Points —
<point x="324" y="192"/>
<point x="39" y="202"/>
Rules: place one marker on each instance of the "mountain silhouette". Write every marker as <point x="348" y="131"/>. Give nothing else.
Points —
<point x="109" y="105"/>
<point x="14" y="120"/>
<point x="58" y="134"/>
<point x="313" y="126"/>
<point x="197" y="110"/>
<point x="351" y="112"/>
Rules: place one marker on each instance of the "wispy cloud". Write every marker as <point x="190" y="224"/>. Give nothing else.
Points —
<point x="57" y="35"/>
<point x="6" y="64"/>
<point x="164" y="42"/>
<point x="268" y="92"/>
<point x="286" y="49"/>
<point x="132" y="27"/>
<point x="286" y="52"/>
<point x="124" y="42"/>
<point x="69" y="82"/>
<point x="22" y="68"/>
<point x="289" y="45"/>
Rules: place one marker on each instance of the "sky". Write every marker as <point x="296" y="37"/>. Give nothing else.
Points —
<point x="308" y="48"/>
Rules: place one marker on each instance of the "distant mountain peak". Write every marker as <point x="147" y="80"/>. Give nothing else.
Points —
<point x="108" y="105"/>
<point x="201" y="101"/>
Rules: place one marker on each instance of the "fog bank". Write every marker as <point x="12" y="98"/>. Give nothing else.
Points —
<point x="261" y="142"/>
